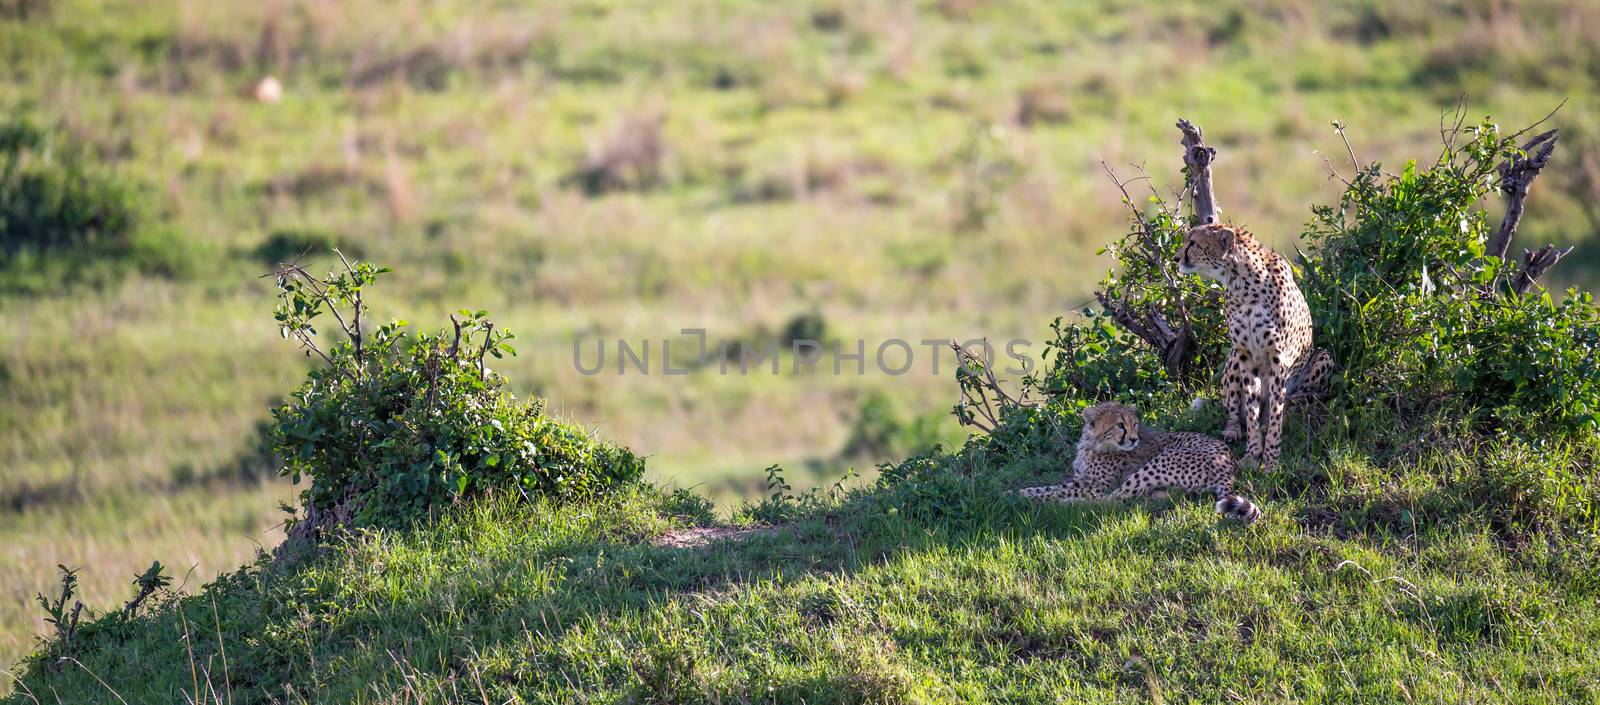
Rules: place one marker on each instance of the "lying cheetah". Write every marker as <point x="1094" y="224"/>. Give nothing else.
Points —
<point x="1118" y="458"/>
<point x="1269" y="324"/>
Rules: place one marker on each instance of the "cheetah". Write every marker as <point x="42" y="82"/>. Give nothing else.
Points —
<point x="1269" y="324"/>
<point x="1118" y="458"/>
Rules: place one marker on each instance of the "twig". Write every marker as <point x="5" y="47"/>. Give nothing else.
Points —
<point x="1540" y="121"/>
<point x="977" y="381"/>
<point x="1333" y="172"/>
<point x="188" y="644"/>
<point x="356" y="314"/>
<point x="1447" y="136"/>
<point x="488" y="332"/>
<point x="227" y="679"/>
<point x="1338" y="128"/>
<point x="26" y="691"/>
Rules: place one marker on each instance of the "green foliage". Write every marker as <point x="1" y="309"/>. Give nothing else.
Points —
<point x="62" y="614"/>
<point x="63" y="218"/>
<point x="1415" y="312"/>
<point x="1095" y="360"/>
<point x="394" y="428"/>
<point x="151" y="581"/>
<point x="782" y="505"/>
<point x="1403" y="295"/>
<point x="882" y="429"/>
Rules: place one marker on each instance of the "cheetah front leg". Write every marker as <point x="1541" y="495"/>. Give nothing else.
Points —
<point x="1137" y="485"/>
<point x="1273" y="394"/>
<point x="1233" y="376"/>
<point x="1252" y="388"/>
<point x="1069" y="491"/>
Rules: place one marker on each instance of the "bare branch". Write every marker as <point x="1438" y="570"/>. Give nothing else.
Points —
<point x="1516" y="175"/>
<point x="1197" y="158"/>
<point x="359" y="310"/>
<point x="1458" y="117"/>
<point x="1534" y="264"/>
<point x="1174" y="341"/>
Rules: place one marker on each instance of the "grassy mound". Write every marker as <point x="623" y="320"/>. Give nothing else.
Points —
<point x="931" y="586"/>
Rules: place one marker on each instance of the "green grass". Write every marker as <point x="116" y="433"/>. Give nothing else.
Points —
<point x="947" y="593"/>
<point x="812" y="161"/>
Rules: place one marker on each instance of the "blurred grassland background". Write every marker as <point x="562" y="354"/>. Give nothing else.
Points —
<point x="859" y="168"/>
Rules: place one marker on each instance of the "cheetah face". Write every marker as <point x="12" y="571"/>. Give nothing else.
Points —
<point x="1207" y="251"/>
<point x="1111" y="427"/>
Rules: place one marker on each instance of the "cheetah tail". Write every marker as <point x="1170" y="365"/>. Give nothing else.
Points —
<point x="1235" y="507"/>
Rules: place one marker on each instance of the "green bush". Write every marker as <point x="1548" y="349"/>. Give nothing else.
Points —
<point x="61" y="218"/>
<point x="1416" y="313"/>
<point x="393" y="428"/>
<point x="1403" y="294"/>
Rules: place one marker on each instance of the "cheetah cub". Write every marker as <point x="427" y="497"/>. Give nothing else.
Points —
<point x="1269" y="324"/>
<point x="1119" y="458"/>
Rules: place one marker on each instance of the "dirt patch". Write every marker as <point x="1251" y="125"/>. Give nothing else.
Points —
<point x="696" y="536"/>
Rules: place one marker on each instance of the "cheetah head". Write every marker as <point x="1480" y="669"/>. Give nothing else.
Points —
<point x="1208" y="250"/>
<point x="1110" y="427"/>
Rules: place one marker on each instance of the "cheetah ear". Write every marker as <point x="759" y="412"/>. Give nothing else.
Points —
<point x="1230" y="243"/>
<point x="1092" y="413"/>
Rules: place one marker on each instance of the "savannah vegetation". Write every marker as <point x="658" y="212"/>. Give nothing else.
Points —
<point x="886" y="170"/>
<point x="1441" y="547"/>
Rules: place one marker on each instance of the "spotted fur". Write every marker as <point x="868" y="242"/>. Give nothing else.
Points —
<point x="1119" y="458"/>
<point x="1273" y="359"/>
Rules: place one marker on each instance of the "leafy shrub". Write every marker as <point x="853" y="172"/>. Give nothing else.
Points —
<point x="393" y="428"/>
<point x="1414" y="310"/>
<point x="62" y="218"/>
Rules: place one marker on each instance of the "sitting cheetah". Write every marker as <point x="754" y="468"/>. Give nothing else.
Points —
<point x="1269" y="324"/>
<point x="1118" y="458"/>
